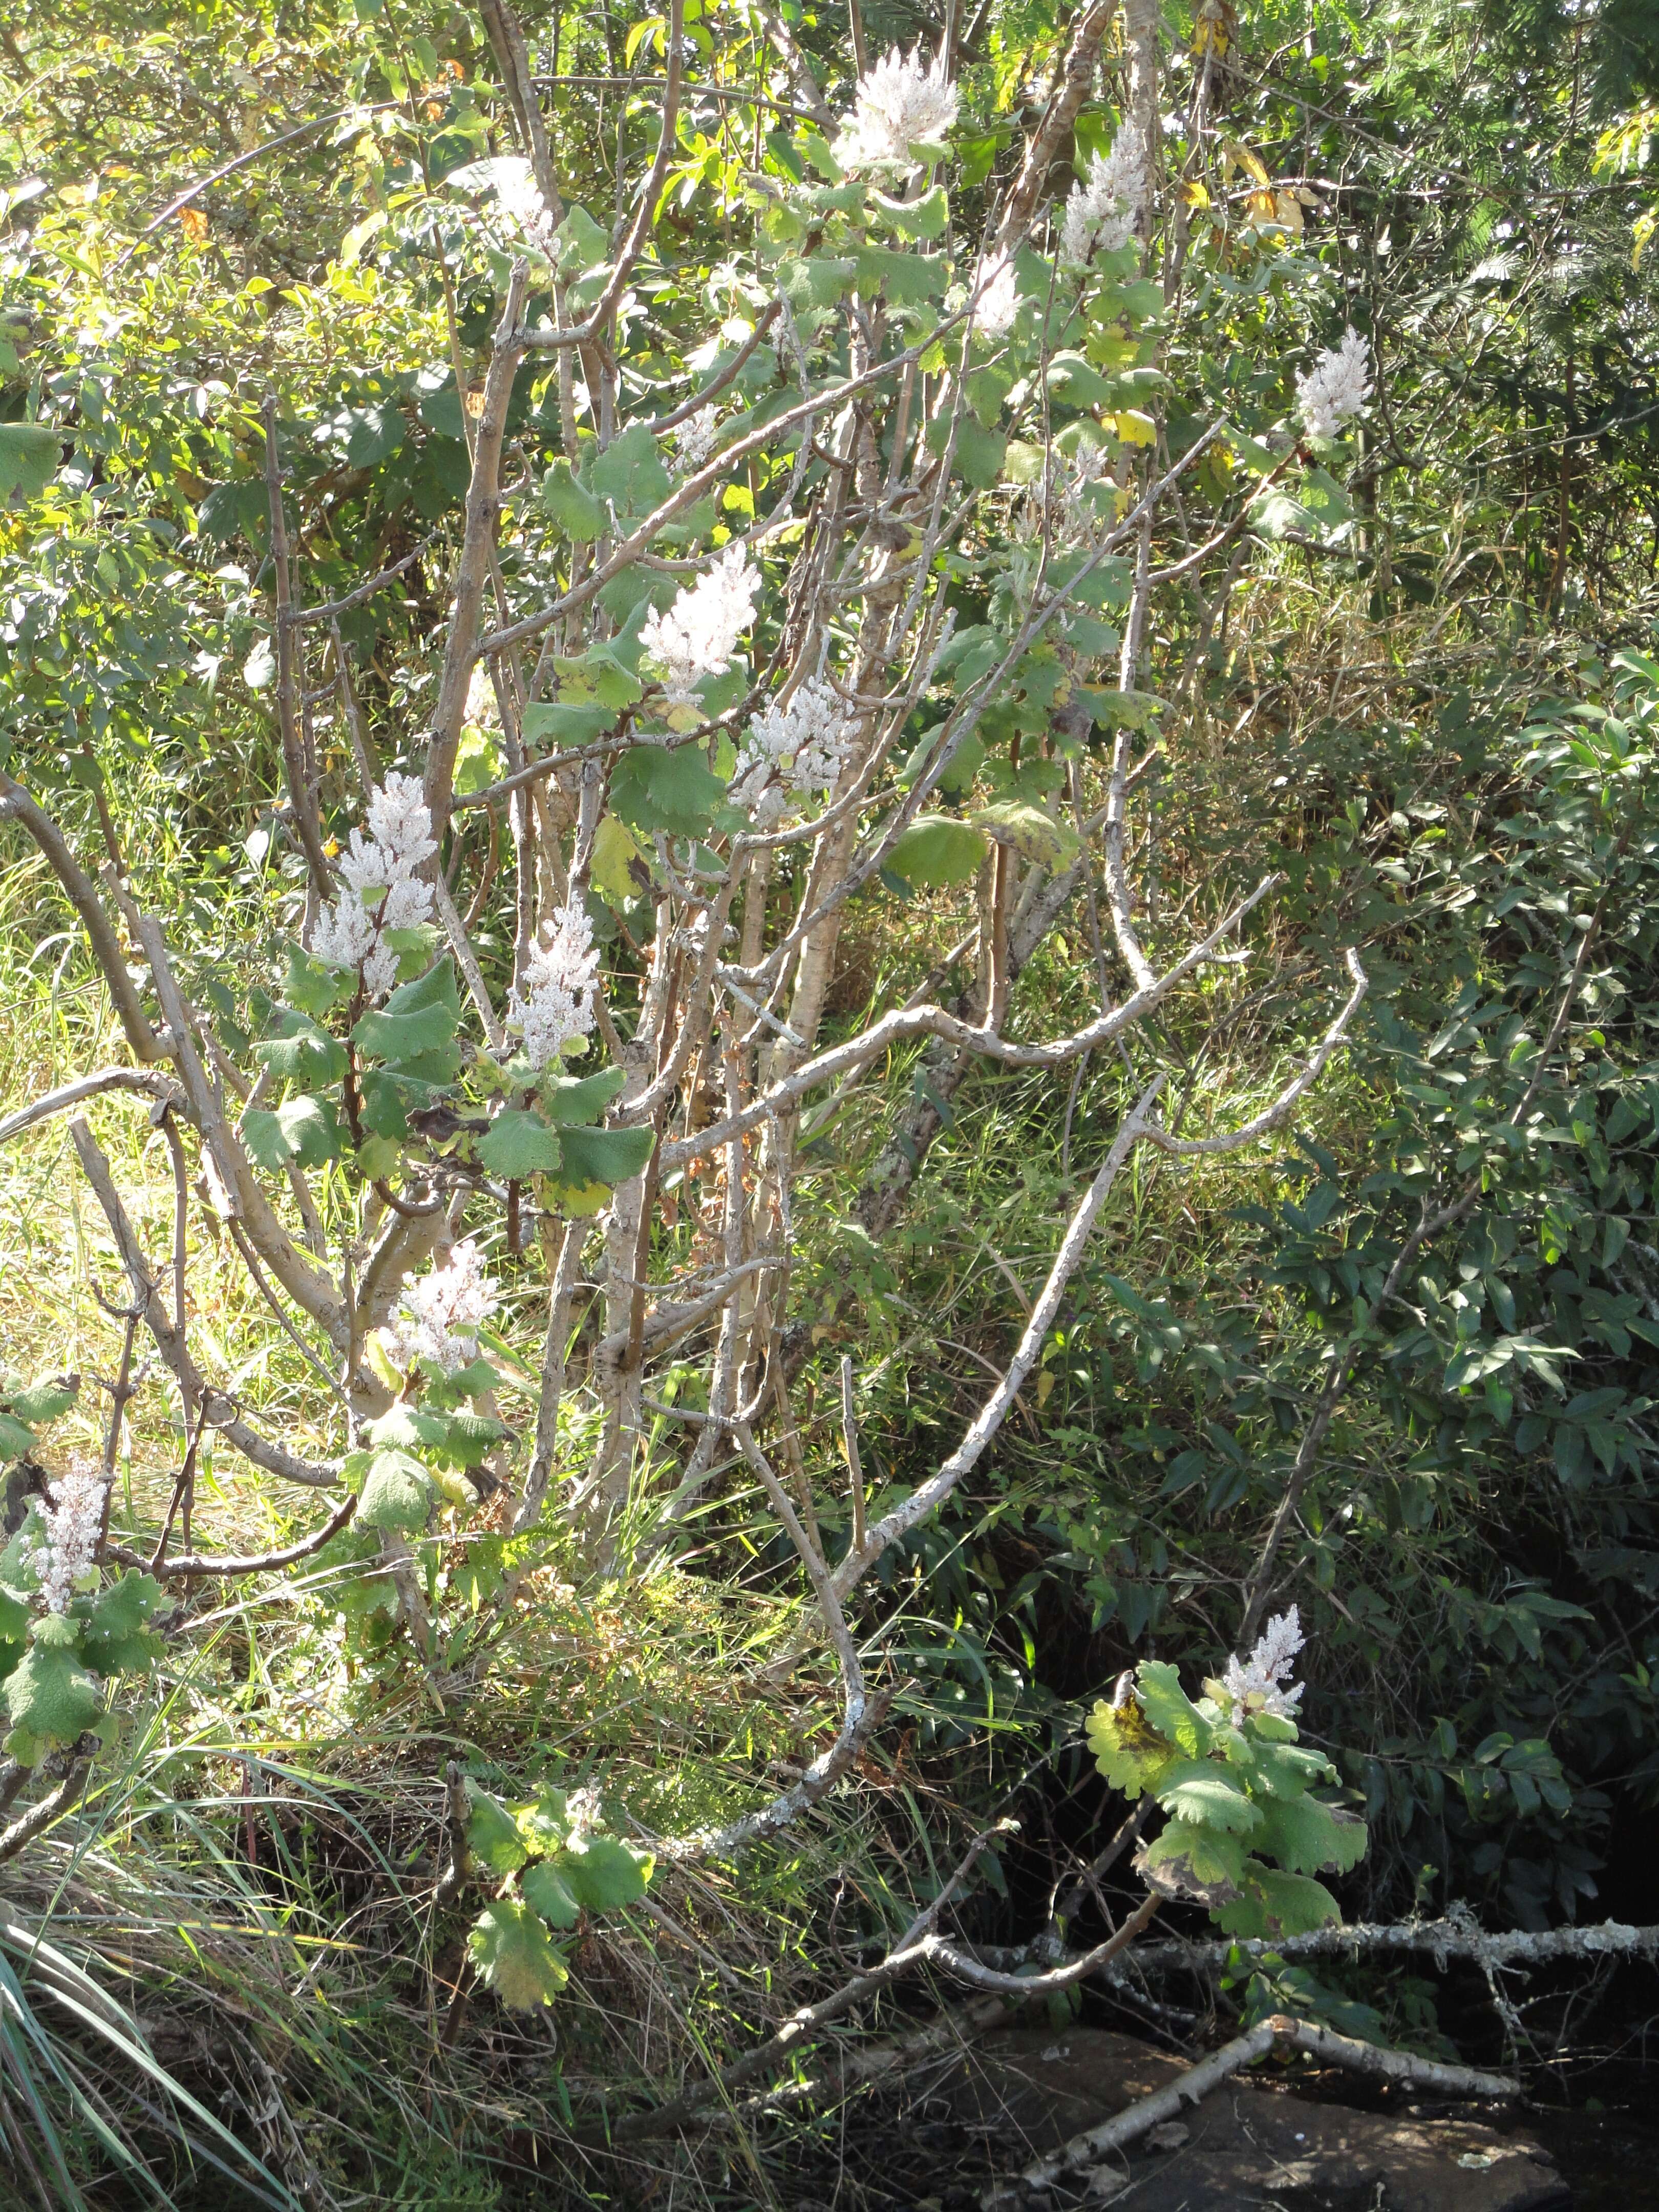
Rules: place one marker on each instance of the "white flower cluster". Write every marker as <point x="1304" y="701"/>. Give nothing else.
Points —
<point x="801" y="747"/>
<point x="1336" y="387"/>
<point x="483" y="708"/>
<point x="383" y="890"/>
<point x="697" y="439"/>
<point x="699" y="634"/>
<point x="71" y="1523"/>
<point x="441" y="1311"/>
<point x="520" y="199"/>
<point x="998" y="302"/>
<point x="559" y="977"/>
<point x="1255" y="1684"/>
<point x="1100" y="216"/>
<point x="1065" y="485"/>
<point x="899" y="103"/>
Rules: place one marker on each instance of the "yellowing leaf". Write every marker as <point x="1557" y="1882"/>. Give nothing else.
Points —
<point x="1134" y="428"/>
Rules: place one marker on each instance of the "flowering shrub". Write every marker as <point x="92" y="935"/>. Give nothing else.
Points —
<point x="1245" y="1835"/>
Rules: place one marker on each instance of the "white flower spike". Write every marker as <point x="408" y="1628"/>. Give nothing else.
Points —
<point x="1100" y="215"/>
<point x="899" y="103"/>
<point x="699" y="634"/>
<point x="441" y="1312"/>
<point x="560" y="977"/>
<point x="71" y="1523"/>
<point x="1336" y="387"/>
<point x="998" y="302"/>
<point x="1255" y="1684"/>
<point x="384" y="890"/>
<point x="802" y="746"/>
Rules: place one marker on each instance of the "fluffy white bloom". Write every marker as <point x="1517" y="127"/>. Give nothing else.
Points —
<point x="384" y="890"/>
<point x="561" y="976"/>
<point x="699" y="634"/>
<point x="441" y="1311"/>
<point x="697" y="439"/>
<point x="1100" y="215"/>
<point x="998" y="302"/>
<point x="520" y="199"/>
<point x="1076" y="514"/>
<point x="1336" y="387"/>
<point x="899" y="105"/>
<point x="801" y="747"/>
<point x="71" y="1524"/>
<point x="1255" y="1684"/>
<point x="483" y="708"/>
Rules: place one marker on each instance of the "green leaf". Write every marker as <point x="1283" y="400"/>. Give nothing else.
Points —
<point x="596" y="675"/>
<point x="1199" y="1863"/>
<point x="572" y="1100"/>
<point x="602" y="1873"/>
<point x="1131" y="1755"/>
<point x="468" y="1439"/>
<point x="509" y="1946"/>
<point x="544" y="1889"/>
<point x="492" y="1834"/>
<point x="1077" y="382"/>
<point x="49" y="1693"/>
<point x="571" y="506"/>
<point x="1277" y="1904"/>
<point x="397" y="1494"/>
<point x="116" y="1639"/>
<point x="1310" y="1837"/>
<point x="310" y="1130"/>
<point x="606" y="1156"/>
<point x="553" y="722"/>
<point x="312" y="985"/>
<point x="937" y="850"/>
<point x="908" y="279"/>
<point x="630" y="472"/>
<point x="1033" y="834"/>
<point x="47" y="1399"/>
<point x="301" y="1053"/>
<point x="1168" y="1709"/>
<point x="672" y="789"/>
<point x="16" y="1438"/>
<point x="519" y="1145"/>
<point x="1202" y="1792"/>
<point x="816" y="280"/>
<point x="404" y="1427"/>
<point x="29" y="454"/>
<point x="923" y="218"/>
<point x="617" y="870"/>
<point x="980" y="454"/>
<point x="418" y="1017"/>
<point x="14" y="1627"/>
<point x="1133" y="709"/>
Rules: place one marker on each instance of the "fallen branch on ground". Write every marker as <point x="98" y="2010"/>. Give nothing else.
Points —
<point x="1192" y="2088"/>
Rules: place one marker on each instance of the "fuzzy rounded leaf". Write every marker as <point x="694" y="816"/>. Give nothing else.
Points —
<point x="1199" y="1790"/>
<point x="1309" y="1838"/>
<point x="1276" y="1905"/>
<point x="49" y="1693"/>
<point x="602" y="1873"/>
<point x="544" y="1888"/>
<point x="937" y="851"/>
<point x="1034" y="834"/>
<point x="606" y="1156"/>
<point x="518" y="1145"/>
<point x="1131" y="1755"/>
<point x="1189" y="1862"/>
<point x="492" y="1834"/>
<point x="509" y="1946"/>
<point x="115" y="1640"/>
<point x="397" y="1494"/>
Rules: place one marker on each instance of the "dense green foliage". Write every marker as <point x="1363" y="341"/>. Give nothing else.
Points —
<point x="1410" y="675"/>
